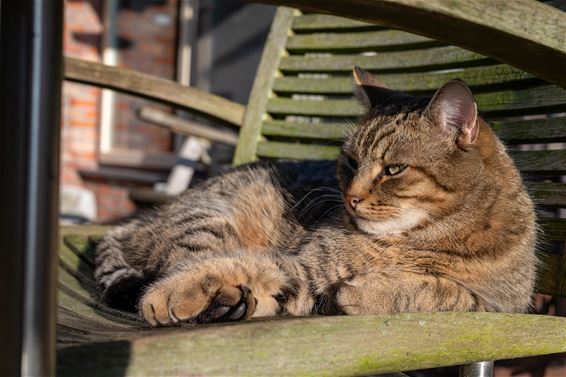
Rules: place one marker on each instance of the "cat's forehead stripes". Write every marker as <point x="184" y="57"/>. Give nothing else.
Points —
<point x="375" y="137"/>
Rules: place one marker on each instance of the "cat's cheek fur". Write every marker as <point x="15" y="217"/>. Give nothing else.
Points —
<point x="408" y="219"/>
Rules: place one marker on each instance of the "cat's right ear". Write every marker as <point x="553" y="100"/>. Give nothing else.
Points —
<point x="368" y="90"/>
<point x="454" y="109"/>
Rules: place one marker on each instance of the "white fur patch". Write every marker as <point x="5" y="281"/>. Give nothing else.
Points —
<point x="408" y="219"/>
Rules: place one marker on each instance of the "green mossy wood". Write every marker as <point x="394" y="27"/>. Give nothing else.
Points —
<point x="301" y="108"/>
<point x="524" y="33"/>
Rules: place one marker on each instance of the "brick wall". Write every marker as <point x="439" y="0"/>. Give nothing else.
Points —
<point x="148" y="44"/>
<point x="79" y="136"/>
<point x="147" y="32"/>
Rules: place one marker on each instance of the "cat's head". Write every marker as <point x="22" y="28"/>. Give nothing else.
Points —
<point x="412" y="159"/>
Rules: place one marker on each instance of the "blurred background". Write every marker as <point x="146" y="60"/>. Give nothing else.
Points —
<point x="113" y="159"/>
<point x="118" y="156"/>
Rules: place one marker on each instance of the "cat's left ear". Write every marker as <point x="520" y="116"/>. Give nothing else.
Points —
<point x="369" y="90"/>
<point x="453" y="108"/>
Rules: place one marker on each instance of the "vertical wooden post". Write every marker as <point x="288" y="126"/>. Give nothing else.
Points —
<point x="265" y="76"/>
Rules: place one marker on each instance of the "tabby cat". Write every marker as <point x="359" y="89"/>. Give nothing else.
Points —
<point x="431" y="215"/>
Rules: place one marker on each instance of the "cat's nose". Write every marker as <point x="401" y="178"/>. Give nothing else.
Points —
<point x="354" y="200"/>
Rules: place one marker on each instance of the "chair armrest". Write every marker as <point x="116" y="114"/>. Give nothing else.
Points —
<point x="154" y="88"/>
<point x="329" y="346"/>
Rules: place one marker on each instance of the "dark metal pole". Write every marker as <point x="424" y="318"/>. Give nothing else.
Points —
<point x="30" y="90"/>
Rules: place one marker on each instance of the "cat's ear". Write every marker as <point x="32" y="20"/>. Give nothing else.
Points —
<point x="369" y="90"/>
<point x="453" y="108"/>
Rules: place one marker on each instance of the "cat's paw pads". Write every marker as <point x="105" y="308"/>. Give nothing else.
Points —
<point x="229" y="304"/>
<point x="168" y="304"/>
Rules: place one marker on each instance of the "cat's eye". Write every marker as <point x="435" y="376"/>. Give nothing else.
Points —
<point x="352" y="163"/>
<point x="394" y="169"/>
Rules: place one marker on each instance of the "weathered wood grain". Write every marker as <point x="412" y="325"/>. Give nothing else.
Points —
<point x="526" y="34"/>
<point x="495" y="77"/>
<point x="526" y="101"/>
<point x="381" y="40"/>
<point x="551" y="130"/>
<point x="397" y="61"/>
<point x="548" y="274"/>
<point x="261" y="91"/>
<point x="185" y="127"/>
<point x="548" y="194"/>
<point x="552" y="229"/>
<point x="323" y="346"/>
<point x="550" y="162"/>
<point x="154" y="88"/>
<point x="321" y="131"/>
<point x="324" y="22"/>
<point x="294" y="151"/>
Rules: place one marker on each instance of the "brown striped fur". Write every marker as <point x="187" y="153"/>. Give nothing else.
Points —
<point x="452" y="229"/>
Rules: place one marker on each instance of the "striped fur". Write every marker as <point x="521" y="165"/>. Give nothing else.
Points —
<point x="454" y="230"/>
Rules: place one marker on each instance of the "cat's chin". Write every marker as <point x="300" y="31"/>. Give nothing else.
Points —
<point x="409" y="219"/>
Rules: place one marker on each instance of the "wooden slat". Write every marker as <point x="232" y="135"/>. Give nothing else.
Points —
<point x="515" y="132"/>
<point x="90" y="313"/>
<point x="533" y="100"/>
<point x="415" y="60"/>
<point x="551" y="162"/>
<point x="76" y="266"/>
<point x="72" y="283"/>
<point x="186" y="127"/>
<point x="477" y="78"/>
<point x="552" y="229"/>
<point x="79" y="244"/>
<point x="265" y="75"/>
<point x="328" y="346"/>
<point x="550" y="130"/>
<point x="90" y="231"/>
<point x="323" y="22"/>
<point x="548" y="274"/>
<point x="560" y="4"/>
<point x="523" y="33"/>
<point x="548" y="194"/>
<point x="323" y="131"/>
<point x="382" y="40"/>
<point x="539" y="99"/>
<point x="293" y="151"/>
<point x="154" y="88"/>
<point x="287" y="106"/>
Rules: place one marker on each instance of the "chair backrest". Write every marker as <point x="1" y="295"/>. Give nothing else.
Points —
<point x="301" y="105"/>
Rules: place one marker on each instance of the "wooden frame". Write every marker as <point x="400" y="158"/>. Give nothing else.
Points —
<point x="524" y="33"/>
<point x="261" y="91"/>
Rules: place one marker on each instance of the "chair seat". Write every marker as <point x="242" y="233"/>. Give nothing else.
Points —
<point x="94" y="339"/>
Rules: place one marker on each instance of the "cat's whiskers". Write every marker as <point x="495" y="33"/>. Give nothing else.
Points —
<point x="336" y="207"/>
<point x="328" y="198"/>
<point x="312" y="191"/>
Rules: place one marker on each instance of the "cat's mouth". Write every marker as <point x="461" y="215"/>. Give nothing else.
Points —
<point x="405" y="221"/>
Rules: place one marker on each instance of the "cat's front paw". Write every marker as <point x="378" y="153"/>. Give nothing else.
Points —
<point x="206" y="300"/>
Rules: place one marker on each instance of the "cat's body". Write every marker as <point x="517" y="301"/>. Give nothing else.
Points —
<point x="434" y="218"/>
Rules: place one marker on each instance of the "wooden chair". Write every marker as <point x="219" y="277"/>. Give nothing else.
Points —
<point x="299" y="108"/>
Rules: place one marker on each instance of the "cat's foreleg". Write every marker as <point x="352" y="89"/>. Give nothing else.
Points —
<point x="118" y="282"/>
<point x="382" y="293"/>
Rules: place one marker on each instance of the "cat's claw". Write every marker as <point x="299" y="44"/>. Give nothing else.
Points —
<point x="217" y="311"/>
